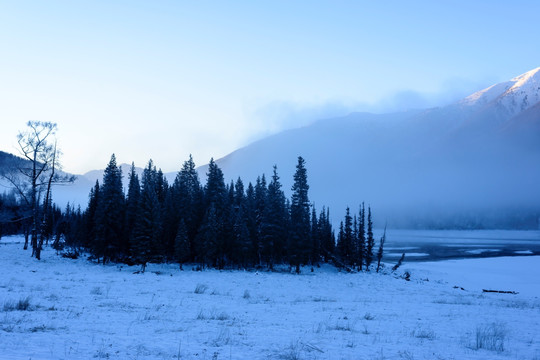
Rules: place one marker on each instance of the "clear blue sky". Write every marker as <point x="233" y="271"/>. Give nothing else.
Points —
<point x="162" y="79"/>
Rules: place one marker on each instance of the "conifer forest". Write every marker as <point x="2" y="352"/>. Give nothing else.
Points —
<point x="218" y="225"/>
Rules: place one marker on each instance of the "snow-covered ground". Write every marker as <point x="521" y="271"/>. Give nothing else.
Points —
<point x="79" y="310"/>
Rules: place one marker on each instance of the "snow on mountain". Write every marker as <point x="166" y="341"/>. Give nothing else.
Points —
<point x="523" y="94"/>
<point x="514" y="96"/>
<point x="487" y="95"/>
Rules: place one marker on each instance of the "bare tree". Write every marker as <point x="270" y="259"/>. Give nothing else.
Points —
<point x="34" y="178"/>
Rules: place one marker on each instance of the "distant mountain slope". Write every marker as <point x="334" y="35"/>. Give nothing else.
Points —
<point x="473" y="163"/>
<point x="8" y="161"/>
<point x="477" y="156"/>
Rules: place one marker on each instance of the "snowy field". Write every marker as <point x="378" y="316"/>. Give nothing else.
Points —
<point x="74" y="309"/>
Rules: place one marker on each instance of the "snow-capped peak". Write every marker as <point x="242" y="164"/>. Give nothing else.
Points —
<point x="487" y="95"/>
<point x="515" y="96"/>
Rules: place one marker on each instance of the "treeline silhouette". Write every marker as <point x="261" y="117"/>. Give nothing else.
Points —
<point x="213" y="225"/>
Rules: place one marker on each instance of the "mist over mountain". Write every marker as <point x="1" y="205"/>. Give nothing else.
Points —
<point x="473" y="163"/>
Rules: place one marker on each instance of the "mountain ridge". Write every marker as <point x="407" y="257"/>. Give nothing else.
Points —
<point x="475" y="156"/>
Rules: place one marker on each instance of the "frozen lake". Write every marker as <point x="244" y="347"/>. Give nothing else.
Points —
<point x="422" y="245"/>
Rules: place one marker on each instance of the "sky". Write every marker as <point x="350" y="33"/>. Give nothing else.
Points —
<point x="165" y="79"/>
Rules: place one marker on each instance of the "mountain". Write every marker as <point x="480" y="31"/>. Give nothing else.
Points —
<point x="77" y="193"/>
<point x="511" y="97"/>
<point x="473" y="163"/>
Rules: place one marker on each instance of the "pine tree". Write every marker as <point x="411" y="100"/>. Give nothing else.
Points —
<point x="208" y="238"/>
<point x="340" y="245"/>
<point x="299" y="244"/>
<point x="251" y="223"/>
<point x="147" y="232"/>
<point x="187" y="202"/>
<point x="260" y="203"/>
<point x="381" y="249"/>
<point x="241" y="252"/>
<point x="132" y="204"/>
<point x="370" y="242"/>
<point x="239" y="195"/>
<point x="242" y="241"/>
<point x="328" y="242"/>
<point x="89" y="219"/>
<point x="346" y="240"/>
<point x="273" y="223"/>
<point x="354" y="242"/>
<point x="110" y="214"/>
<point x="315" y="238"/>
<point x="361" y="251"/>
<point x="215" y="239"/>
<point x="215" y="190"/>
<point x="181" y="244"/>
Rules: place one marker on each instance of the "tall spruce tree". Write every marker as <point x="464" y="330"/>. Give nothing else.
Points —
<point x="187" y="202"/>
<point x="345" y="245"/>
<point x="260" y="203"/>
<point x="381" y="250"/>
<point x="273" y="224"/>
<point x="147" y="232"/>
<point x="315" y="238"/>
<point x="299" y="240"/>
<point x="110" y="214"/>
<point x="215" y="238"/>
<point x="361" y="252"/>
<point x="328" y="242"/>
<point x="89" y="219"/>
<point x="251" y="222"/>
<point x="242" y="245"/>
<point x="132" y="204"/>
<point x="355" y="243"/>
<point x="181" y="244"/>
<point x="208" y="239"/>
<point x="370" y="241"/>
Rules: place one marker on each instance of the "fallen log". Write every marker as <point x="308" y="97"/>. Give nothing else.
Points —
<point x="500" y="291"/>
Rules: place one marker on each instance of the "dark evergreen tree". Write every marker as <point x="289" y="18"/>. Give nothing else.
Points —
<point x="215" y="190"/>
<point x="89" y="218"/>
<point x="346" y="239"/>
<point x="340" y="239"/>
<point x="260" y="204"/>
<point x="148" y="228"/>
<point x="215" y="247"/>
<point x="242" y="241"/>
<point x="361" y="250"/>
<point x="370" y="241"/>
<point x="299" y="239"/>
<point x="273" y="230"/>
<point x="381" y="250"/>
<point x="208" y="239"/>
<point x="354" y="245"/>
<point x="241" y="251"/>
<point x="132" y="205"/>
<point x="251" y="223"/>
<point x="110" y="214"/>
<point x="187" y="202"/>
<point x="328" y="242"/>
<point x="181" y="244"/>
<point x="315" y="255"/>
<point x="239" y="195"/>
